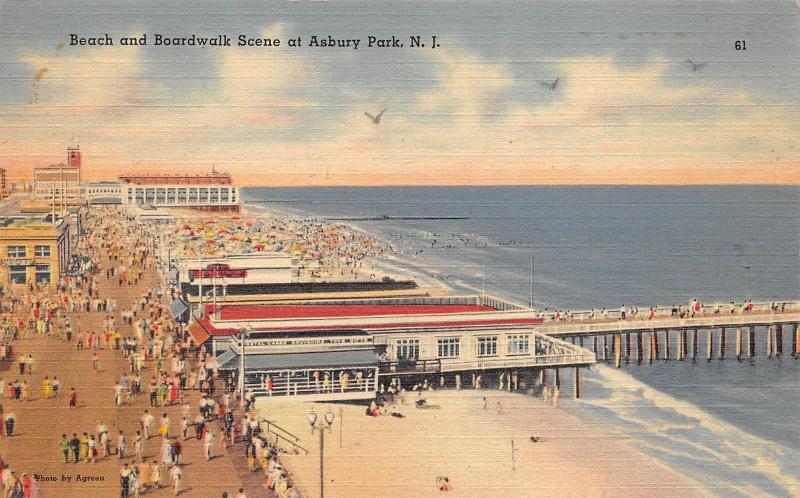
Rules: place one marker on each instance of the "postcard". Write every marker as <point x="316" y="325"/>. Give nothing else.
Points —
<point x="349" y="249"/>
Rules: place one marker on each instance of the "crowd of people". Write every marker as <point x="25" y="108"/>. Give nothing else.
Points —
<point x="162" y="364"/>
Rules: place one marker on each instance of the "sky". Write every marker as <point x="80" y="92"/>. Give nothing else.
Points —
<point x="627" y="107"/>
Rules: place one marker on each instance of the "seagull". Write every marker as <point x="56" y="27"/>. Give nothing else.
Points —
<point x="549" y="85"/>
<point x="375" y="119"/>
<point x="695" y="66"/>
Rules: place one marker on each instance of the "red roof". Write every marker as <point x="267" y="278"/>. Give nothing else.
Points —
<point x="214" y="331"/>
<point x="335" y="310"/>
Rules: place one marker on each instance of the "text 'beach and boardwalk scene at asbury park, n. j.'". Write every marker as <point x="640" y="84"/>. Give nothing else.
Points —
<point x="272" y="249"/>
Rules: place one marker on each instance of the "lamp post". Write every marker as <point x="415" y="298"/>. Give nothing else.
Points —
<point x="242" y="335"/>
<point x="747" y="280"/>
<point x="321" y="426"/>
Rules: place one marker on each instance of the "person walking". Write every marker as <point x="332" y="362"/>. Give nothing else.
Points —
<point x="125" y="481"/>
<point x="75" y="446"/>
<point x="155" y="475"/>
<point x="138" y="446"/>
<point x="176" y="474"/>
<point x="92" y="449"/>
<point x="122" y="445"/>
<point x="163" y="429"/>
<point x="147" y="423"/>
<point x="209" y="445"/>
<point x="73" y="398"/>
<point x="63" y="445"/>
<point x="11" y="420"/>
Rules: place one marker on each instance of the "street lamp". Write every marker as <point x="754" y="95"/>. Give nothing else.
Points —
<point x="242" y="336"/>
<point x="321" y="426"/>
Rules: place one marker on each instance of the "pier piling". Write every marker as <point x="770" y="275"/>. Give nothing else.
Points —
<point x="751" y="343"/>
<point x="769" y="333"/>
<point x="739" y="343"/>
<point x="618" y="350"/>
<point x="639" y="348"/>
<point x="709" y="344"/>
<point x="577" y="383"/>
<point x="694" y="345"/>
<point x="655" y="342"/>
<point x="723" y="343"/>
<point x="558" y="379"/>
<point x="779" y="340"/>
<point x="652" y="346"/>
<point x="667" y="340"/>
<point x="682" y="340"/>
<point x="595" y="346"/>
<point x="627" y="347"/>
<point x="796" y="340"/>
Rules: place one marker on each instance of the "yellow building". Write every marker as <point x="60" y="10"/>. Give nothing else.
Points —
<point x="32" y="251"/>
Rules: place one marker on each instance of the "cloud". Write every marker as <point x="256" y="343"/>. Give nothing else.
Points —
<point x="260" y="115"/>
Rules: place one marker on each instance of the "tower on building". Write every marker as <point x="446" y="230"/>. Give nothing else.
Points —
<point x="74" y="157"/>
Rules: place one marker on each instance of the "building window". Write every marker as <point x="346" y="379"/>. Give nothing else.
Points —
<point x="214" y="195"/>
<point x="192" y="195"/>
<point x="224" y="194"/>
<point x="42" y="274"/>
<point x="487" y="346"/>
<point x="518" y="344"/>
<point x="449" y="347"/>
<point x="16" y="251"/>
<point x="407" y="349"/>
<point x="203" y="195"/>
<point x="16" y="274"/>
<point x="42" y="251"/>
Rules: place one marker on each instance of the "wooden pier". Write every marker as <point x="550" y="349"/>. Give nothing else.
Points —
<point x="654" y="338"/>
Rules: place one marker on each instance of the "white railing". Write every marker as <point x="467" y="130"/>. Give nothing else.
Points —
<point x="571" y="328"/>
<point x="682" y="311"/>
<point x="520" y="362"/>
<point x="301" y="387"/>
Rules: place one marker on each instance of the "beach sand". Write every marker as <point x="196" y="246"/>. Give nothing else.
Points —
<point x="455" y="437"/>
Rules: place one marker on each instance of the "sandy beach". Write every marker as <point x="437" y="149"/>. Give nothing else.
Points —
<point x="455" y="437"/>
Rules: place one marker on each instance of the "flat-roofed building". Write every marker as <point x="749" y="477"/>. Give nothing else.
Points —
<point x="57" y="182"/>
<point x="341" y="349"/>
<point x="204" y="192"/>
<point x="33" y="251"/>
<point x="103" y="192"/>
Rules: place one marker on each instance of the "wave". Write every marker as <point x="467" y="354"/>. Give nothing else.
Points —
<point x="691" y="440"/>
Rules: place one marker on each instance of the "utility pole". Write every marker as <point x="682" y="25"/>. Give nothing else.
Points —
<point x="533" y="270"/>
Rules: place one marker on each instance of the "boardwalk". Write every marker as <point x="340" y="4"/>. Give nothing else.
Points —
<point x="34" y="447"/>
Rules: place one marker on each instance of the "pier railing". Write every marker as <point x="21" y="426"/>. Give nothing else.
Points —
<point x="675" y="312"/>
<point x="410" y="366"/>
<point x="575" y="328"/>
<point x="576" y="359"/>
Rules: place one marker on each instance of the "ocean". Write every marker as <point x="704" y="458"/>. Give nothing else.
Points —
<point x="728" y="424"/>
